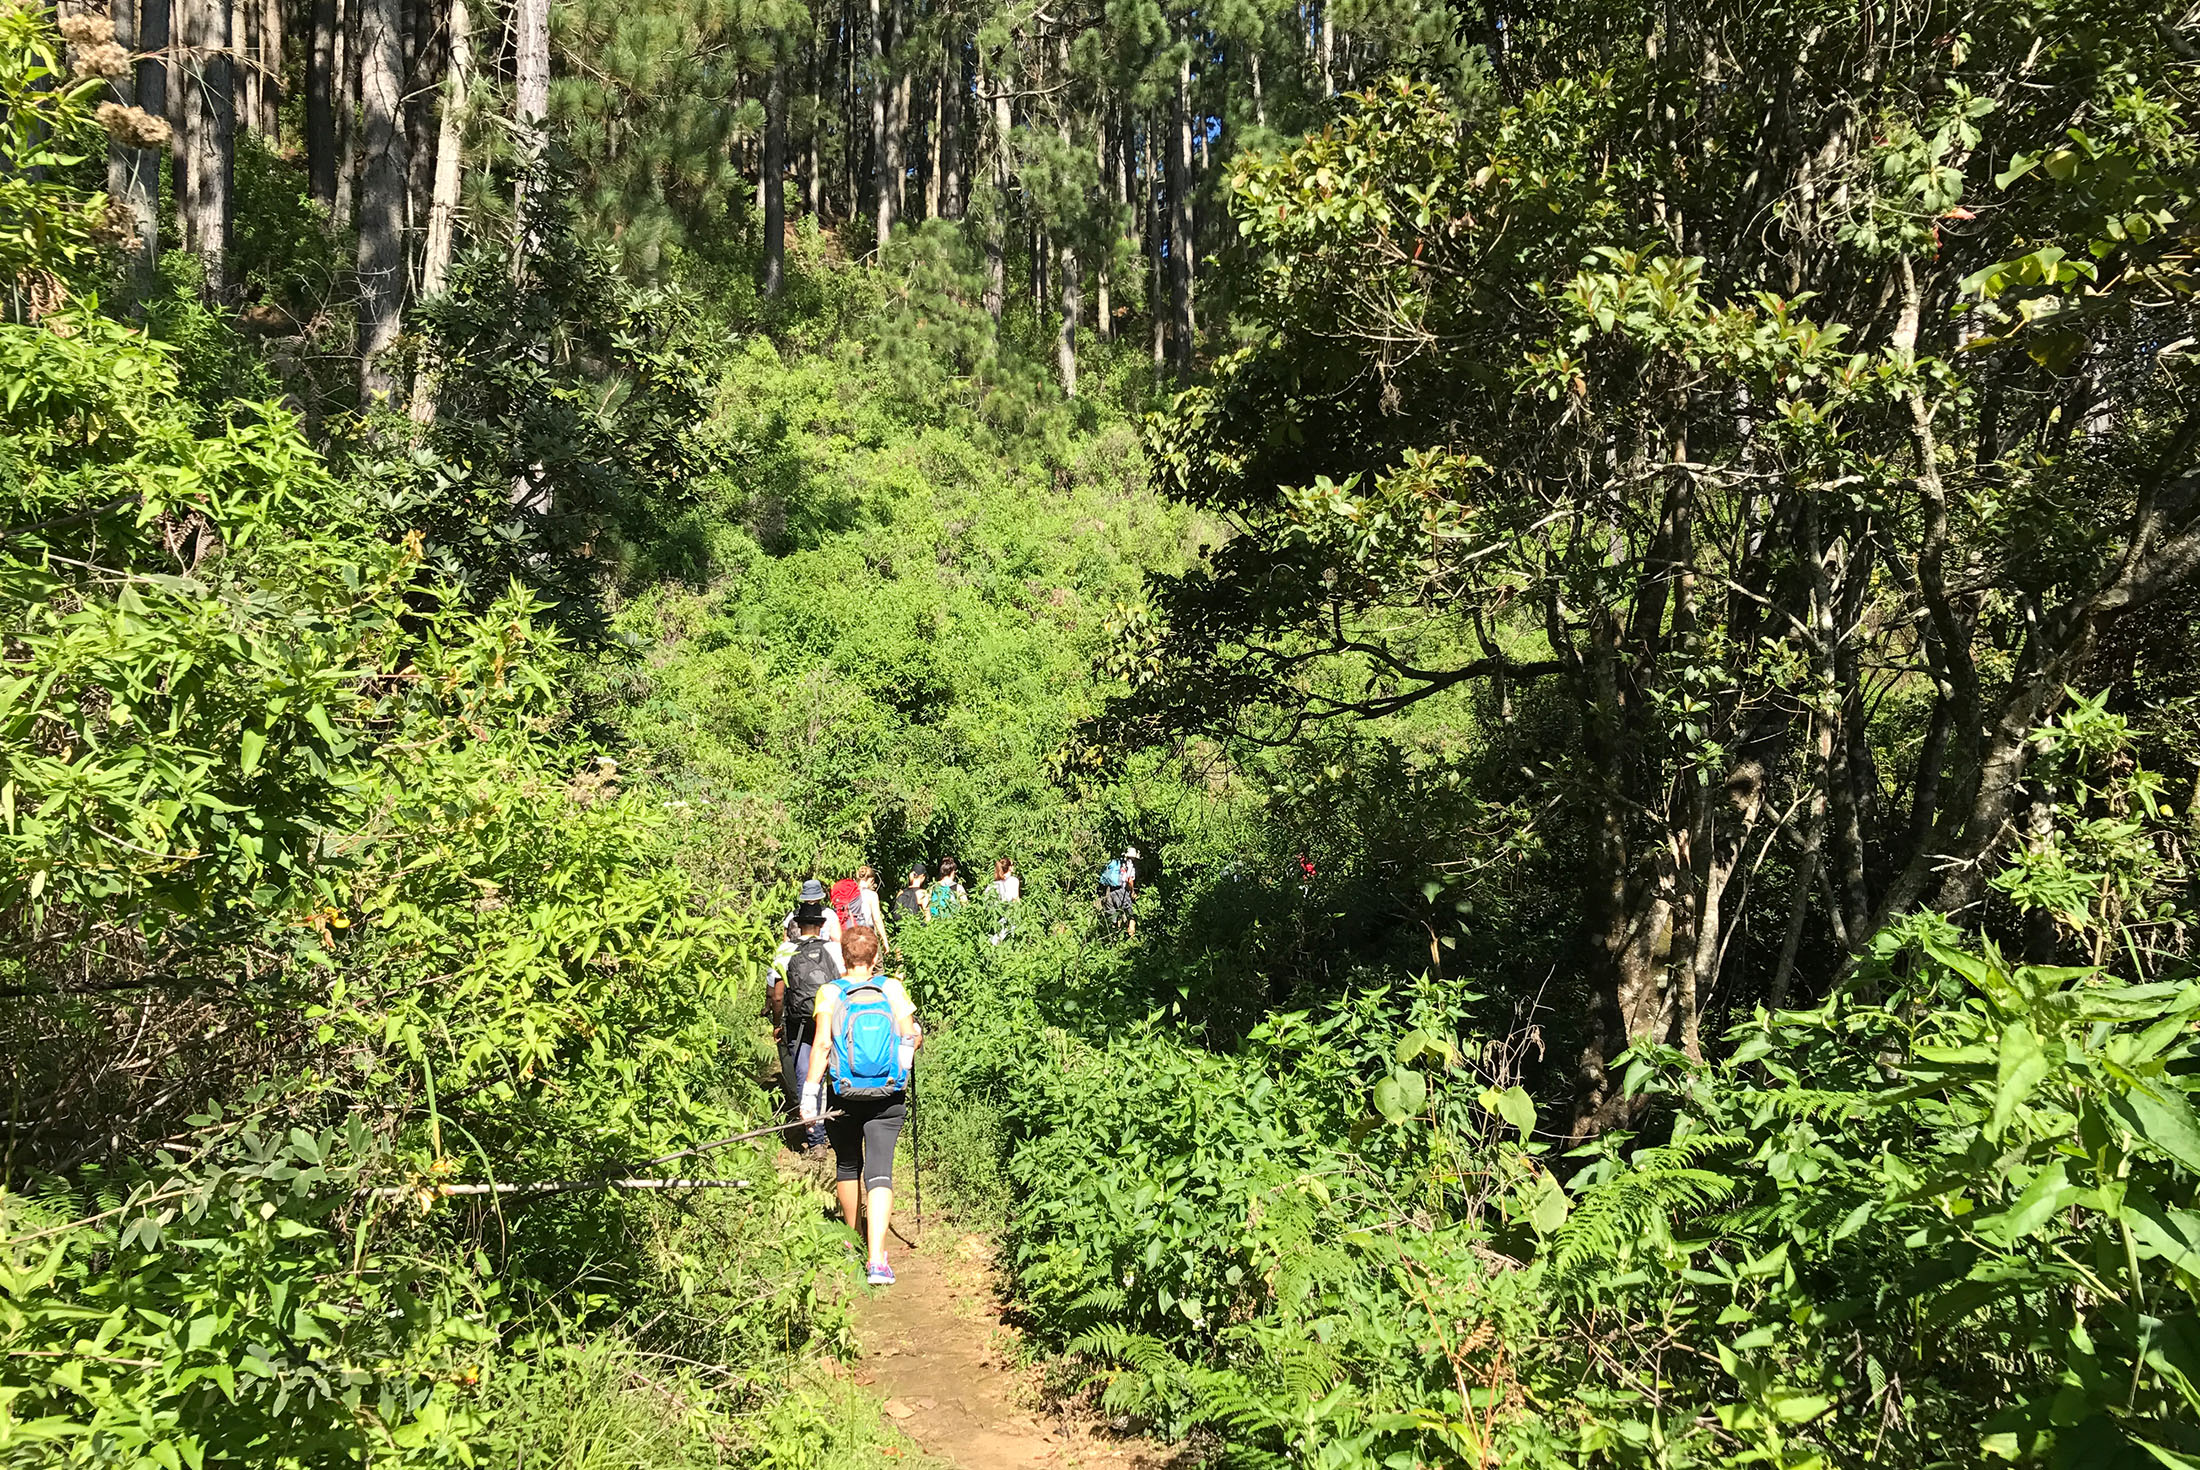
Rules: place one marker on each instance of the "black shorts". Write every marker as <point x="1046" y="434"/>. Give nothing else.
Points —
<point x="863" y="1137"/>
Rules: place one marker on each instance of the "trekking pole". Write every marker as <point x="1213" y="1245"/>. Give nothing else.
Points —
<point x="916" y="1143"/>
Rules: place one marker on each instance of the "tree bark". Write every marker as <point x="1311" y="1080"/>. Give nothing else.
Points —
<point x="531" y="97"/>
<point x="1157" y="288"/>
<point x="450" y="143"/>
<point x="273" y="71"/>
<point x="882" y="184"/>
<point x="427" y="57"/>
<point x="1065" y="339"/>
<point x="133" y="174"/>
<point x="210" y="121"/>
<point x="1180" y="219"/>
<point x="775" y="183"/>
<point x="382" y="194"/>
<point x="1103" y="321"/>
<point x="1329" y="49"/>
<point x="996" y="225"/>
<point x="244" y="32"/>
<point x="321" y="91"/>
<point x="933" y="144"/>
<point x="347" y="110"/>
<point x="954" y="81"/>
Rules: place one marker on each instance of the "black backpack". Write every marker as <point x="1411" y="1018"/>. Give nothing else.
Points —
<point x="809" y="969"/>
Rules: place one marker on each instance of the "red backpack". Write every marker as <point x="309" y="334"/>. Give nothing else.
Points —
<point x="848" y="903"/>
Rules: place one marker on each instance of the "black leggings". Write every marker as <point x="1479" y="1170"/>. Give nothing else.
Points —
<point x="863" y="1137"/>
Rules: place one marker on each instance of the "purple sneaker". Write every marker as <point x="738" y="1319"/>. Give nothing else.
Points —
<point x="880" y="1274"/>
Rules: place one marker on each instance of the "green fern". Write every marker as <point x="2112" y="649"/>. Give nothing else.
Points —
<point x="1658" y="1185"/>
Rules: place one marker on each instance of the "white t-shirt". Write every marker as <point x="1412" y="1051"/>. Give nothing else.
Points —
<point x="1008" y="889"/>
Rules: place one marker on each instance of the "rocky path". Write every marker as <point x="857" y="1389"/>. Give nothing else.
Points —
<point x="936" y="1351"/>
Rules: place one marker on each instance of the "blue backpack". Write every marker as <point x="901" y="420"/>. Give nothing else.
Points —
<point x="1111" y="876"/>
<point x="866" y="1047"/>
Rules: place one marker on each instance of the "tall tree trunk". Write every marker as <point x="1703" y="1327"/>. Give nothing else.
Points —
<point x="775" y="183"/>
<point x="995" y="87"/>
<point x="1180" y="219"/>
<point x="1329" y="48"/>
<point x="933" y="142"/>
<point x="442" y="234"/>
<point x="427" y="56"/>
<point x="953" y="83"/>
<point x="244" y="33"/>
<point x="1157" y="310"/>
<point x="271" y="79"/>
<point x="882" y="86"/>
<point x="1260" y="109"/>
<point x="812" y="198"/>
<point x="322" y="87"/>
<point x="133" y="174"/>
<point x="210" y="121"/>
<point x="347" y="110"/>
<point x="1103" y="321"/>
<point x="382" y="193"/>
<point x="1065" y="340"/>
<point x="531" y="97"/>
<point x="897" y="139"/>
<point x="450" y="143"/>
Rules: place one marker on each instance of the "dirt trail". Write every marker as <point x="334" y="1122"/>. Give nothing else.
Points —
<point x="935" y="1349"/>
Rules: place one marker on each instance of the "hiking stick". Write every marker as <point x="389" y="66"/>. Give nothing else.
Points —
<point x="916" y="1146"/>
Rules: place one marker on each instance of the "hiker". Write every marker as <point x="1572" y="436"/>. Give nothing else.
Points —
<point x="913" y="900"/>
<point x="1119" y="889"/>
<point x="867" y="1039"/>
<point x="813" y="896"/>
<point x="947" y="890"/>
<point x="847" y="903"/>
<point x="1006" y="885"/>
<point x="812" y="964"/>
<point x="870" y="913"/>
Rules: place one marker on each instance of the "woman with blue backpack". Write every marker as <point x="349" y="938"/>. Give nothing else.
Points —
<point x="867" y="1039"/>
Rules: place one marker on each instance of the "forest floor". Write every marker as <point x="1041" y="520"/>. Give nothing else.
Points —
<point x="936" y="1349"/>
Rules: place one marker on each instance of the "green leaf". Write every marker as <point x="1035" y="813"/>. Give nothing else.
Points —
<point x="1517" y="1108"/>
<point x="2163" y="1116"/>
<point x="2021" y="1066"/>
<point x="2048" y="1192"/>
<point x="249" y="745"/>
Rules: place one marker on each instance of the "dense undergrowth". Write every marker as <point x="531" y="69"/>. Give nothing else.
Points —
<point x="367" y="827"/>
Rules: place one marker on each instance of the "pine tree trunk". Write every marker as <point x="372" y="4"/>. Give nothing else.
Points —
<point x="442" y="232"/>
<point x="347" y="110"/>
<point x="1329" y="48"/>
<point x="882" y="86"/>
<point x="271" y="79"/>
<point x="1180" y="220"/>
<point x="427" y="56"/>
<point x="133" y="174"/>
<point x="932" y="150"/>
<point x="953" y="83"/>
<point x="775" y="184"/>
<point x="1156" y="289"/>
<point x="531" y="96"/>
<point x="996" y="225"/>
<point x="1065" y="340"/>
<point x="812" y="196"/>
<point x="244" y="31"/>
<point x="210" y="139"/>
<point x="382" y="193"/>
<point x="1103" y="321"/>
<point x="1260" y="110"/>
<point x="897" y="138"/>
<point x="450" y="142"/>
<point x="321" y="89"/>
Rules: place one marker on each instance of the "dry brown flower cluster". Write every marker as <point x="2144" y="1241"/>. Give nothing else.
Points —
<point x="87" y="30"/>
<point x="132" y="127"/>
<point x="97" y="53"/>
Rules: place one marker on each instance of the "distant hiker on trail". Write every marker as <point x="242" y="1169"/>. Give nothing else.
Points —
<point x="947" y="891"/>
<point x="1119" y="889"/>
<point x="869" y="911"/>
<point x="913" y="900"/>
<point x="1006" y="888"/>
<point x="811" y="965"/>
<point x="867" y="1040"/>
<point x="848" y="903"/>
<point x="813" y="895"/>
